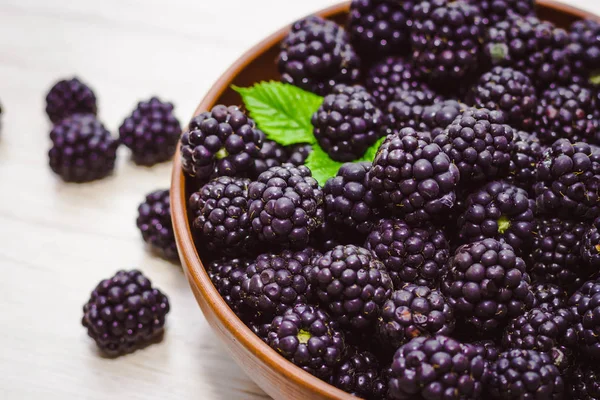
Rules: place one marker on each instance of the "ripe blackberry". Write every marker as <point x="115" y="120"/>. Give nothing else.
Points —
<point x="414" y="311"/>
<point x="348" y="201"/>
<point x="347" y="123"/>
<point x="154" y="222"/>
<point x="590" y="246"/>
<point x="534" y="47"/>
<point x="435" y="368"/>
<point x="508" y="90"/>
<point x="306" y="336"/>
<point x="286" y="205"/>
<point x="271" y="155"/>
<point x="586" y="383"/>
<point x="549" y="296"/>
<point x="388" y="76"/>
<point x="298" y="154"/>
<point x="379" y="27"/>
<point x="525" y="374"/>
<point x="151" y="132"/>
<point x="446" y="37"/>
<point x="223" y="141"/>
<point x="568" y="183"/>
<point x="487" y="284"/>
<point x="527" y="152"/>
<point x="352" y="284"/>
<point x="359" y="375"/>
<point x="227" y="275"/>
<point x="69" y="97"/>
<point x="125" y="313"/>
<point x="82" y="149"/>
<point x="414" y="178"/>
<point x="407" y="107"/>
<point x="556" y="253"/>
<point x="498" y="210"/>
<point x="438" y="116"/>
<point x="220" y="214"/>
<point x="410" y="255"/>
<point x="584" y="49"/>
<point x="494" y="11"/>
<point x="316" y="55"/>
<point x="480" y="144"/>
<point x="585" y="304"/>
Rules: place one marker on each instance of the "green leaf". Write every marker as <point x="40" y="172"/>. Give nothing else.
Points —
<point x="282" y="111"/>
<point x="372" y="151"/>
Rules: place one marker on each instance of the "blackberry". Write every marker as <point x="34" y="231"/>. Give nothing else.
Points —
<point x="271" y="155"/>
<point x="379" y="27"/>
<point x="388" y="76"/>
<point x="306" y="336"/>
<point x="584" y="49"/>
<point x="480" y="144"/>
<point x="527" y="152"/>
<point x="276" y="282"/>
<point x="223" y="141"/>
<point x="407" y="107"/>
<point x="507" y="90"/>
<point x="556" y="253"/>
<point x="220" y="214"/>
<point x="348" y="201"/>
<point x="347" y="123"/>
<point x="286" y="205"/>
<point x="495" y="11"/>
<point x="438" y="116"/>
<point x="586" y="383"/>
<point x="125" y="313"/>
<point x="549" y="296"/>
<point x="585" y="304"/>
<point x="435" y="368"/>
<point x="414" y="311"/>
<point x="525" y="374"/>
<point x="298" y="154"/>
<point x="316" y="55"/>
<point x="487" y="349"/>
<point x="446" y="37"/>
<point x="352" y="284"/>
<point x="536" y="48"/>
<point x="568" y="181"/>
<point x="69" y="97"/>
<point x="414" y="178"/>
<point x="359" y="376"/>
<point x="154" y="222"/>
<point x="227" y="276"/>
<point x="82" y="149"/>
<point x="410" y="255"/>
<point x="590" y="246"/>
<point x="151" y="132"/>
<point x="487" y="284"/>
<point x="501" y="211"/>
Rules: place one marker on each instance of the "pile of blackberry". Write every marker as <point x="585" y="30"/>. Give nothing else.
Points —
<point x="463" y="259"/>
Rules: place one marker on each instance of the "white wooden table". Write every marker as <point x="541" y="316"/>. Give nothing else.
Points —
<point x="58" y="240"/>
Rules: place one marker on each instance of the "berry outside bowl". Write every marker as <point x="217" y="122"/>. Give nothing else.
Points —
<point x="276" y="376"/>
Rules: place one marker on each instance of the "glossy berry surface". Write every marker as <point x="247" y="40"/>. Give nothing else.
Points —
<point x="154" y="222"/>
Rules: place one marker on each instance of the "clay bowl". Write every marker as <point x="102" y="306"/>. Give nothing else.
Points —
<point x="275" y="375"/>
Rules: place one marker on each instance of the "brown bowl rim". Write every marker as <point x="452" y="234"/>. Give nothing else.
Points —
<point x="189" y="257"/>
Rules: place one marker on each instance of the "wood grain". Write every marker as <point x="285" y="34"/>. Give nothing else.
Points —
<point x="58" y="240"/>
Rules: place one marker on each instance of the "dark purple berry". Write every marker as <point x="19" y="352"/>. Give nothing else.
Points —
<point x="585" y="304"/>
<point x="69" y="97"/>
<point x="154" y="222"/>
<point x="390" y="75"/>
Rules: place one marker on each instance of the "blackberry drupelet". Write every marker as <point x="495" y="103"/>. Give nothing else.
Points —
<point x="435" y="368"/>
<point x="348" y="123"/>
<point x="272" y="154"/>
<point x="69" y="97"/>
<point x="590" y="246"/>
<point x="508" y="90"/>
<point x="536" y="48"/>
<point x="586" y="383"/>
<point x="556" y="253"/>
<point x="549" y="296"/>
<point x="498" y="210"/>
<point x="410" y="255"/>
<point x="352" y="285"/>
<point x="286" y="205"/>
<point x="487" y="349"/>
<point x="407" y="108"/>
<point x="487" y="285"/>
<point x="480" y="144"/>
<point x="227" y="275"/>
<point x="527" y="152"/>
<point x="151" y="132"/>
<point x="125" y="313"/>
<point x="306" y="336"/>
<point x="568" y="181"/>
<point x="388" y="76"/>
<point x="525" y="374"/>
<point x="297" y="154"/>
<point x="82" y="149"/>
<point x="446" y="38"/>
<point x="414" y="311"/>
<point x="359" y="375"/>
<point x="220" y="215"/>
<point x="567" y="112"/>
<point x="223" y="141"/>
<point x="584" y="49"/>
<point x="154" y="222"/>
<point x="349" y="203"/>
<point x="585" y="304"/>
<point x="494" y="11"/>
<point x="437" y="117"/>
<point x="316" y="55"/>
<point x="413" y="177"/>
